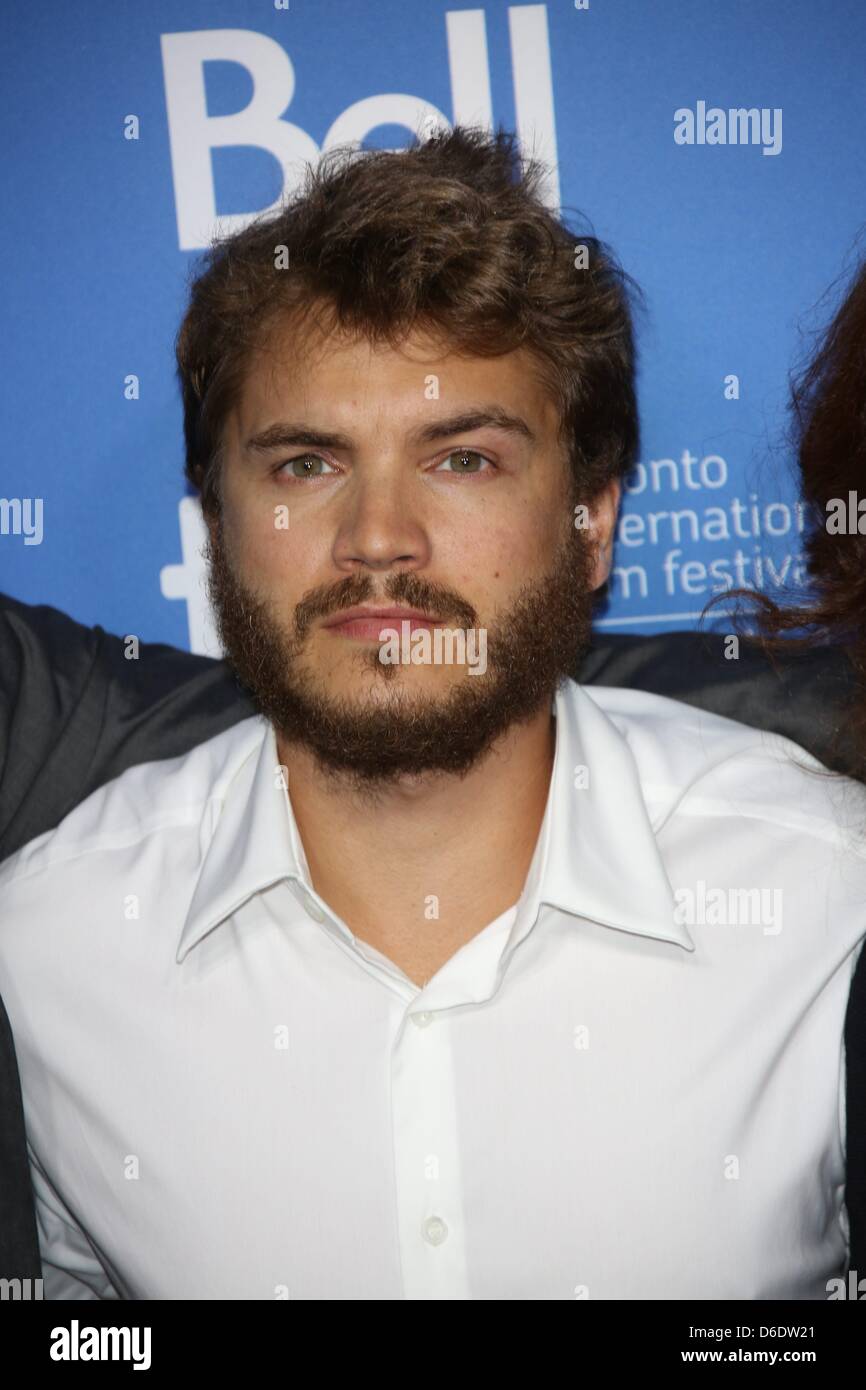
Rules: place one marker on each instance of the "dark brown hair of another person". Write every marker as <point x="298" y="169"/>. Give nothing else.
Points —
<point x="828" y="412"/>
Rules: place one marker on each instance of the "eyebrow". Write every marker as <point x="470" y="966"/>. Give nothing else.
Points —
<point x="287" y="434"/>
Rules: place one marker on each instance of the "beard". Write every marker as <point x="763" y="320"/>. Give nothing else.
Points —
<point x="390" y="731"/>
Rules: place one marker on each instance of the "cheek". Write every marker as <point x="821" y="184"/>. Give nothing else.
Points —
<point x="505" y="552"/>
<point x="488" y="563"/>
<point x="266" y="543"/>
<point x="503" y="548"/>
<point x="476" y="559"/>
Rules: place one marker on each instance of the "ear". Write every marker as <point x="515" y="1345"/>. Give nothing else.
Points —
<point x="603" y="514"/>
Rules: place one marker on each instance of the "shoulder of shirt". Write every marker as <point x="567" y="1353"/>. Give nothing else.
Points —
<point x="691" y="761"/>
<point x="151" y="798"/>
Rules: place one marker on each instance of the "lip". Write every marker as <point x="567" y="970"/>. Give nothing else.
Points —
<point x="367" y="624"/>
<point x="348" y="614"/>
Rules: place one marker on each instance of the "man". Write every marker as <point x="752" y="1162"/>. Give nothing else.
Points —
<point x="428" y="946"/>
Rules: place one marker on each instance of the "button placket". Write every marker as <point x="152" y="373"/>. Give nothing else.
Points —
<point x="427" y="1169"/>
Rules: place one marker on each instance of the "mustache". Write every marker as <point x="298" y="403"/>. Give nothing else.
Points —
<point x="404" y="588"/>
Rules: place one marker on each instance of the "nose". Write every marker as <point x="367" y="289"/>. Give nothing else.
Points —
<point x="382" y="524"/>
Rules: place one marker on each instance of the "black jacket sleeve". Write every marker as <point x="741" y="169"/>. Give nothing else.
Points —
<point x="76" y="711"/>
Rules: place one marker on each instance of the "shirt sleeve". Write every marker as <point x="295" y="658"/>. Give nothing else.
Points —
<point x="79" y="705"/>
<point x="70" y="1266"/>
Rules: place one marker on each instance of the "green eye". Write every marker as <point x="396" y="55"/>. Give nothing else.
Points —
<point x="465" y="456"/>
<point x="307" y="468"/>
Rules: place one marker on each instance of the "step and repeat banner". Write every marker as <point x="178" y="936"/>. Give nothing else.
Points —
<point x="716" y="145"/>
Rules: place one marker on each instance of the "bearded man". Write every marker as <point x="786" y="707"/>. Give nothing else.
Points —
<point x="392" y="990"/>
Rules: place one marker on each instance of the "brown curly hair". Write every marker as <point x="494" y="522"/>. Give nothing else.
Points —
<point x="450" y="235"/>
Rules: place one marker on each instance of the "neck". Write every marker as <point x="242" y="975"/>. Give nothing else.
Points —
<point x="463" y="843"/>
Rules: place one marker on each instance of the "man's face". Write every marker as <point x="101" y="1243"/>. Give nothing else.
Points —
<point x="369" y="498"/>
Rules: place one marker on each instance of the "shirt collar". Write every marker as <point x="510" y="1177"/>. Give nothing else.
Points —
<point x="255" y="842"/>
<point x="596" y="857"/>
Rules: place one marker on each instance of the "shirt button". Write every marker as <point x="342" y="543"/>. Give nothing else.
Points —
<point x="314" y="910"/>
<point x="421" y="1020"/>
<point x="435" y="1230"/>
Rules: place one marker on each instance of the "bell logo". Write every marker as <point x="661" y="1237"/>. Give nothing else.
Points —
<point x="193" y="134"/>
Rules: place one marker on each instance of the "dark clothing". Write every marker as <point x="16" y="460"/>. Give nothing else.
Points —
<point x="75" y="713"/>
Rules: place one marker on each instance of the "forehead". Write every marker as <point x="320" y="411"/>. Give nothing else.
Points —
<point x="335" y="374"/>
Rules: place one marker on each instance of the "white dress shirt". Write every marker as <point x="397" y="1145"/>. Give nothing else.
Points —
<point x="607" y="1093"/>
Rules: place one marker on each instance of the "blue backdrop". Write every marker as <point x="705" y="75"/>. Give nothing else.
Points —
<point x="717" y="146"/>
